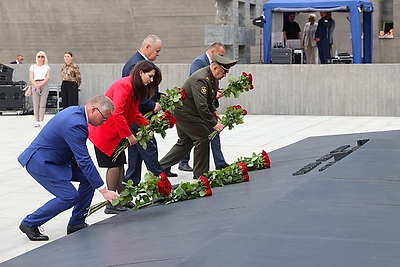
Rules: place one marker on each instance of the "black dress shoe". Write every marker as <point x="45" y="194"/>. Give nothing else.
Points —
<point x="222" y="166"/>
<point x="32" y="232"/>
<point x="169" y="173"/>
<point x="110" y="209"/>
<point x="76" y="227"/>
<point x="185" y="167"/>
<point x="130" y="205"/>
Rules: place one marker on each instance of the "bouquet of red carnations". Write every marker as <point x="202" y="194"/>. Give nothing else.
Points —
<point x="158" y="123"/>
<point x="234" y="173"/>
<point x="233" y="115"/>
<point x="256" y="161"/>
<point x="151" y="189"/>
<point x="236" y="86"/>
<point x="173" y="99"/>
<point x="191" y="190"/>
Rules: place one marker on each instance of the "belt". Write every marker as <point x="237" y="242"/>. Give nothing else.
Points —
<point x="39" y="80"/>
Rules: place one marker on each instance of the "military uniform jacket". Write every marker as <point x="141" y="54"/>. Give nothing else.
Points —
<point x="201" y="89"/>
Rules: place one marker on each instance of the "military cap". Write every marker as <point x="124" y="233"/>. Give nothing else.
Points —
<point x="224" y="62"/>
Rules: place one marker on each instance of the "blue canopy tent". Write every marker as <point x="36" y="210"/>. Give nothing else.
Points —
<point x="354" y="7"/>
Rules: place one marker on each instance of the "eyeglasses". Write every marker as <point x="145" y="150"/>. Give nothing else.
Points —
<point x="40" y="56"/>
<point x="104" y="118"/>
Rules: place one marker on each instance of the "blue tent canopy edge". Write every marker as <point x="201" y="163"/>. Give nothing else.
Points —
<point x="356" y="8"/>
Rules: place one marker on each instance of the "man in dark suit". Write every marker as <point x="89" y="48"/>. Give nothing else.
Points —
<point x="19" y="60"/>
<point x="198" y="115"/>
<point x="149" y="50"/>
<point x="199" y="62"/>
<point x="323" y="37"/>
<point x="59" y="155"/>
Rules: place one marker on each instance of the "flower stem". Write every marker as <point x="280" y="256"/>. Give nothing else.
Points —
<point x="148" y="114"/>
<point x="96" y="207"/>
<point x="212" y="135"/>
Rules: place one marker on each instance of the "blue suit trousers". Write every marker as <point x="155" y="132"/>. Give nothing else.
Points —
<point x="66" y="197"/>
<point x="136" y="155"/>
<point x="324" y="51"/>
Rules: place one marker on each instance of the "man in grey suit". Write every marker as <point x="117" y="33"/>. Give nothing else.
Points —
<point x="199" y="62"/>
<point x="59" y="155"/>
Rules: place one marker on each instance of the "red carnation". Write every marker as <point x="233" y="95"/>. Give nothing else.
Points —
<point x="182" y="91"/>
<point x="244" y="112"/>
<point x="168" y="116"/>
<point x="164" y="185"/>
<point x="266" y="159"/>
<point x="246" y="177"/>
<point x="163" y="176"/>
<point x="208" y="192"/>
<point x="207" y="185"/>
<point x="204" y="180"/>
<point x="244" y="167"/>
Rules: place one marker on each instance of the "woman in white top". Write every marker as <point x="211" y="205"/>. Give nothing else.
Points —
<point x="39" y="76"/>
<point x="309" y="43"/>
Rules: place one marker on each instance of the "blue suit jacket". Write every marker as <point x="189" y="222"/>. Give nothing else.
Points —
<point x="325" y="29"/>
<point x="126" y="70"/>
<point x="198" y="63"/>
<point x="60" y="146"/>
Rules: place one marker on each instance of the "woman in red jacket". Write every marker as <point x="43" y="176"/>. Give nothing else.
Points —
<point x="126" y="94"/>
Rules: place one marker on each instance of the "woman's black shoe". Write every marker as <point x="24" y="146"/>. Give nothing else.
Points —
<point x="110" y="209"/>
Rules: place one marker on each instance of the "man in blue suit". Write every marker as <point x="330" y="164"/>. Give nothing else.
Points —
<point x="199" y="62"/>
<point x="59" y="155"/>
<point x="149" y="50"/>
<point x="323" y="37"/>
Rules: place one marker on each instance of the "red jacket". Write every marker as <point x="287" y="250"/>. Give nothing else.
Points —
<point x="106" y="137"/>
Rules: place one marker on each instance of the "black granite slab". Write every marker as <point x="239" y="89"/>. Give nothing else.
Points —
<point x="346" y="215"/>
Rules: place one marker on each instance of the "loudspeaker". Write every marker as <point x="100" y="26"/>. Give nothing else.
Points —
<point x="11" y="97"/>
<point x="6" y="74"/>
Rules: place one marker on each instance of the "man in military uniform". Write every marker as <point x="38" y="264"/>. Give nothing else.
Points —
<point x="197" y="115"/>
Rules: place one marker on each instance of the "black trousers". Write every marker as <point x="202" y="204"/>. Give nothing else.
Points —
<point x="69" y="94"/>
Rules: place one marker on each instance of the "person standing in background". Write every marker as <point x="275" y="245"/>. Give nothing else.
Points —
<point x="18" y="60"/>
<point x="332" y="28"/>
<point x="323" y="37"/>
<point x="309" y="43"/>
<point x="291" y="29"/>
<point x="71" y="80"/>
<point x="199" y="62"/>
<point x="39" y="76"/>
